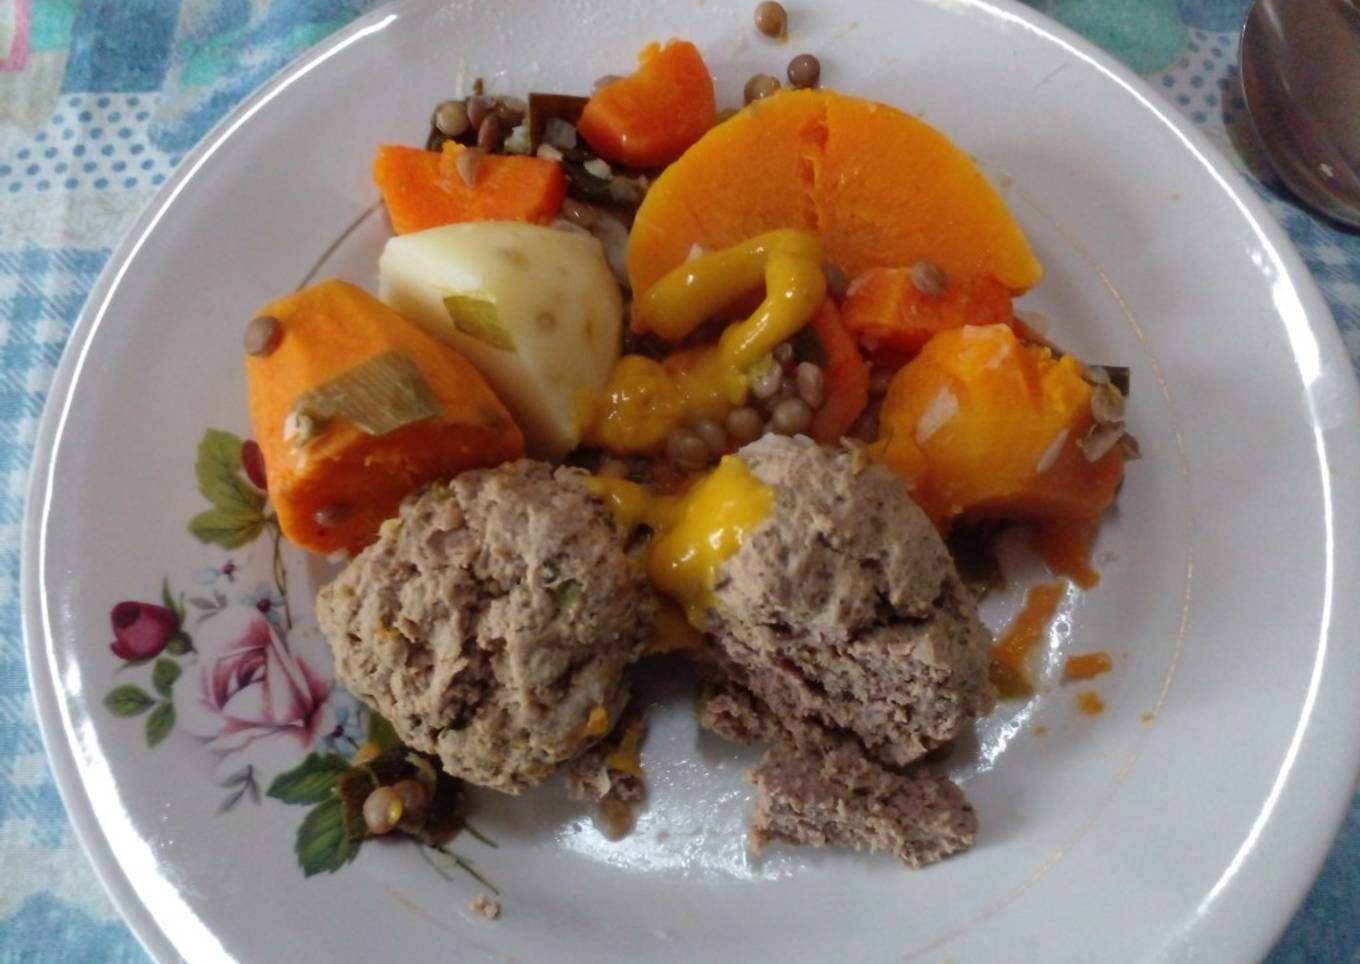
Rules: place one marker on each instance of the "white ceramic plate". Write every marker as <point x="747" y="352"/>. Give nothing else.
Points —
<point x="1186" y="821"/>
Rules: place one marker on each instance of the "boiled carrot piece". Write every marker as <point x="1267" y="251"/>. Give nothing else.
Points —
<point x="885" y="308"/>
<point x="648" y="118"/>
<point x="354" y="407"/>
<point x="847" y="377"/>
<point x="423" y="189"/>
<point x="986" y="427"/>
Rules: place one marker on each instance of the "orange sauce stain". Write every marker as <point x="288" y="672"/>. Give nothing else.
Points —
<point x="1010" y="669"/>
<point x="1087" y="665"/>
<point x="1041" y="730"/>
<point x="1090" y="703"/>
<point x="1065" y="547"/>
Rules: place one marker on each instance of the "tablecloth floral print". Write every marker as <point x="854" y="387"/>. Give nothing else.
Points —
<point x="99" y="100"/>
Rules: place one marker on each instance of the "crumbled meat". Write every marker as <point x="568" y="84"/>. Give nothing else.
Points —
<point x="819" y="787"/>
<point x="843" y="799"/>
<point x="492" y="623"/>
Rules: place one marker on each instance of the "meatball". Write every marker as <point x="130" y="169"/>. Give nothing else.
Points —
<point x="843" y="609"/>
<point x="492" y="622"/>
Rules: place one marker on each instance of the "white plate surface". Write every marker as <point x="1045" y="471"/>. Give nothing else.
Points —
<point x="1185" y="822"/>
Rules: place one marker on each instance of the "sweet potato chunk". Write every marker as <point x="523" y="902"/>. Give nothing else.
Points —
<point x="333" y="481"/>
<point x="983" y="426"/>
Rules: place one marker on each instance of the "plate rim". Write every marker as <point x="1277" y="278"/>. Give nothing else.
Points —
<point x="1257" y="932"/>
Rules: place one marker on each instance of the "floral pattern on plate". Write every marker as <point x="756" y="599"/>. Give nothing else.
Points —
<point x="222" y="667"/>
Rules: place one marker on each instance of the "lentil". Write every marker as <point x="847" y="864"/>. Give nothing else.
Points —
<point x="759" y="87"/>
<point x="510" y="111"/>
<point x="783" y="355"/>
<point x="804" y="71"/>
<point x="687" y="450"/>
<point x="744" y="425"/>
<point x="489" y="133"/>
<point x="263" y="335"/>
<point x="712" y="434"/>
<point x="928" y="278"/>
<point x="791" y="416"/>
<point x="415" y="799"/>
<point x="811" y="382"/>
<point x="478" y="107"/>
<point x="467" y="162"/>
<point x="768" y="383"/>
<point x="451" y="118"/>
<point x="382" y="811"/>
<point x="578" y="212"/>
<point x="772" y="20"/>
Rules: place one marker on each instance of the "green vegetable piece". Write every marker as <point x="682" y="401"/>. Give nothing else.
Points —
<point x="477" y="318"/>
<point x="379" y="396"/>
<point x="567" y="594"/>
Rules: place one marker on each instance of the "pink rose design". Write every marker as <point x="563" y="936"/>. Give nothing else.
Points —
<point x="140" y="629"/>
<point x="245" y="691"/>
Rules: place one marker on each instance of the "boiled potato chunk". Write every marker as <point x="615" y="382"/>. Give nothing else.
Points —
<point x="535" y="309"/>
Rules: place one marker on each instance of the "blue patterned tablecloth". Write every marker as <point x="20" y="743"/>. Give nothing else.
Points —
<point x="99" y="99"/>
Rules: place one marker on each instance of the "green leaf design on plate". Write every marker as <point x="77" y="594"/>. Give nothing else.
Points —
<point x="179" y="643"/>
<point x="163" y="675"/>
<point x="160" y="723"/>
<point x="322" y="844"/>
<point x="176" y="606"/>
<point x="312" y="781"/>
<point x="228" y="528"/>
<point x="381" y="732"/>
<point x="220" y="478"/>
<point x="128" y="700"/>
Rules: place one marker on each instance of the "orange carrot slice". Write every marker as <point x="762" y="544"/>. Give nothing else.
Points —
<point x="986" y="427"/>
<point x="423" y="189"/>
<point x="847" y="377"/>
<point x="648" y="118"/>
<point x="334" y="490"/>
<point x="885" y="309"/>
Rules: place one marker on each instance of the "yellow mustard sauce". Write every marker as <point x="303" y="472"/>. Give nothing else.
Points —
<point x="626" y="757"/>
<point x="644" y="401"/>
<point x="693" y="533"/>
<point x="672" y="632"/>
